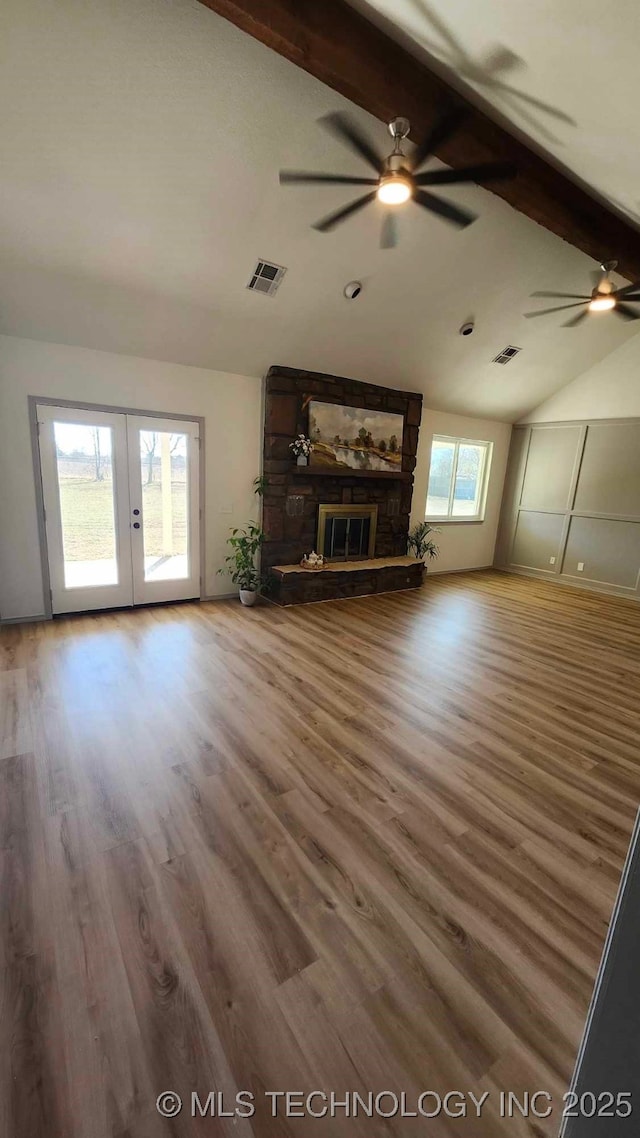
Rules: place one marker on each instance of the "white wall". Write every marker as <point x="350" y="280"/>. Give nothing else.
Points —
<point x="463" y="545"/>
<point x="608" y="390"/>
<point x="232" y="408"/>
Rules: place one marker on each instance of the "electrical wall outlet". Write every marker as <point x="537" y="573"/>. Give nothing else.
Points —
<point x="552" y="560"/>
<point x="580" y="566"/>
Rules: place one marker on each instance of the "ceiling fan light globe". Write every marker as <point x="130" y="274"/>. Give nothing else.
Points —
<point x="394" y="190"/>
<point x="602" y="303"/>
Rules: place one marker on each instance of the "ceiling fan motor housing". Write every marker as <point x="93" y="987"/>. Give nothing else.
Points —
<point x="396" y="164"/>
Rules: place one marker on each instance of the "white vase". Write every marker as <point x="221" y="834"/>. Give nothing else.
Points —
<point x="302" y="460"/>
<point x="248" y="597"/>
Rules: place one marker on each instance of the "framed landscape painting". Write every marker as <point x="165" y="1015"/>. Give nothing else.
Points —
<point x="353" y="438"/>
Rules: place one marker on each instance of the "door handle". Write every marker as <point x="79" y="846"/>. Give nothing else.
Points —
<point x="136" y="525"/>
<point x="136" y="512"/>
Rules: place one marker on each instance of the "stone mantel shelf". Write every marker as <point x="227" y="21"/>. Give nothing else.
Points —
<point x="346" y="472"/>
<point x="366" y="564"/>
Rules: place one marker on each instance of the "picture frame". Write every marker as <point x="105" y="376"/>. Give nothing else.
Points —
<point x="355" y="438"/>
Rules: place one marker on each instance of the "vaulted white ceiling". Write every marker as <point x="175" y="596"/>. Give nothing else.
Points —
<point x="563" y="74"/>
<point x="140" y="148"/>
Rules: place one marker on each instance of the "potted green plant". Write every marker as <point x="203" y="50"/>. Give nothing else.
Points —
<point x="420" y="543"/>
<point x="245" y="545"/>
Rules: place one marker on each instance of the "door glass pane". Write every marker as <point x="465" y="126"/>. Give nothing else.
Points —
<point x="165" y="505"/>
<point x="466" y="495"/>
<point x="85" y="483"/>
<point x="440" y="475"/>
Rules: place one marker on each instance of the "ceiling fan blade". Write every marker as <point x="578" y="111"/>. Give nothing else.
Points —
<point x="561" y="295"/>
<point x="627" y="289"/>
<point x="300" y="177"/>
<point x="548" y="311"/>
<point x="444" y="209"/>
<point x="346" y="131"/>
<point x="539" y="104"/>
<point x="428" y="16"/>
<point x="501" y="59"/>
<point x="485" y="172"/>
<point x="628" y="299"/>
<point x="389" y="233"/>
<point x="333" y="219"/>
<point x="442" y="130"/>
<point x="626" y="312"/>
<point x="576" y="319"/>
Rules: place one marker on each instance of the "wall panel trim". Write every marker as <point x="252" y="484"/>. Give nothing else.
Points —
<point x="513" y="509"/>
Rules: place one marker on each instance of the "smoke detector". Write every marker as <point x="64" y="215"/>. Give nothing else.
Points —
<point x="352" y="290"/>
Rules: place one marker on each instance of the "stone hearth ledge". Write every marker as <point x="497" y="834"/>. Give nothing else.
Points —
<point x="293" y="585"/>
<point x="366" y="563"/>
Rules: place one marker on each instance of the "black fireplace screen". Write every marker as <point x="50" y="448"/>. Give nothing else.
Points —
<point x="346" y="539"/>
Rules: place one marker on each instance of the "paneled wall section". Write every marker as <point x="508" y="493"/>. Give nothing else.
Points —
<point x="571" y="506"/>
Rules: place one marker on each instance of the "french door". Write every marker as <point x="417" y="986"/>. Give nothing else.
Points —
<point x="121" y="498"/>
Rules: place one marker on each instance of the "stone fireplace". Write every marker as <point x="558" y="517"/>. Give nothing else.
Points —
<point x="347" y="533"/>
<point x="367" y="510"/>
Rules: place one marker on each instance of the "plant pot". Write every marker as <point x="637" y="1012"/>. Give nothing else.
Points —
<point x="248" y="597"/>
<point x="302" y="460"/>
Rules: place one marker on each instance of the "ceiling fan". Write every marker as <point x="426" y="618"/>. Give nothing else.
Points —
<point x="604" y="298"/>
<point x="398" y="178"/>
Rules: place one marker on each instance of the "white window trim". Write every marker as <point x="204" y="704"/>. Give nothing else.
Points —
<point x="470" y="519"/>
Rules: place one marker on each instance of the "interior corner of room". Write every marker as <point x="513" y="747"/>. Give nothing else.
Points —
<point x="571" y="501"/>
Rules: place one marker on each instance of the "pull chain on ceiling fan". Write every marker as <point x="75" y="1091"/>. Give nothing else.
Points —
<point x="398" y="178"/>
<point x="604" y="298"/>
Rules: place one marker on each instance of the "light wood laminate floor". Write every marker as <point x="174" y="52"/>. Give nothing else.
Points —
<point x="358" y="846"/>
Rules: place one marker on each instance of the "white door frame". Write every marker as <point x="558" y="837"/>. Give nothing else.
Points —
<point x="79" y="405"/>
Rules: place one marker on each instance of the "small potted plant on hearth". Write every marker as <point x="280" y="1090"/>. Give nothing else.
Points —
<point x="420" y="544"/>
<point x="302" y="448"/>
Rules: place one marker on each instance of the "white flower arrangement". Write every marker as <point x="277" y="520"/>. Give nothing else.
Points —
<point x="301" y="446"/>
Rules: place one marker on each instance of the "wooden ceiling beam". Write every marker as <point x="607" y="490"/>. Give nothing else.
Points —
<point x="338" y="46"/>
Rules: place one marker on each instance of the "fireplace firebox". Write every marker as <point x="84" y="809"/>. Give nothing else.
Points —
<point x="347" y="533"/>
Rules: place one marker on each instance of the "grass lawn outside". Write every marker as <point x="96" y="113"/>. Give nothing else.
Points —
<point x="87" y="518"/>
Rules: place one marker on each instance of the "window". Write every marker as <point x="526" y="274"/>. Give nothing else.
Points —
<point x="458" y="479"/>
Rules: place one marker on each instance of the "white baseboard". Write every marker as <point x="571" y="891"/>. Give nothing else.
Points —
<point x="39" y="617"/>
<point x="24" y="619"/>
<point x="469" y="569"/>
<point x="570" y="582"/>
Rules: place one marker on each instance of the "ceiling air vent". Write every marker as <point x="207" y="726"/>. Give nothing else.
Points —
<point x="506" y="355"/>
<point x="266" y="278"/>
